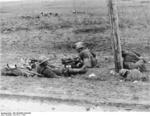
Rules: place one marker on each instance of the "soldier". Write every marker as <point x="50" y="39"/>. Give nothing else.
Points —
<point x="87" y="57"/>
<point x="44" y="68"/>
<point x="133" y="60"/>
<point x="134" y="67"/>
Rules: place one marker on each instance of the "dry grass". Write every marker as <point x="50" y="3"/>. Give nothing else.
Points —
<point x="26" y="33"/>
<point x="134" y="24"/>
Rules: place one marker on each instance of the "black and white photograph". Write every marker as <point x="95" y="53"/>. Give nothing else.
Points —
<point x="74" y="56"/>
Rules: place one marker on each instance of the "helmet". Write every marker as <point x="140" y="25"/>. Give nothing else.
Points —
<point x="122" y="72"/>
<point x="79" y="45"/>
<point x="43" y="59"/>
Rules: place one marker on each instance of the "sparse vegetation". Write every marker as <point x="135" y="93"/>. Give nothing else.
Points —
<point x="52" y="28"/>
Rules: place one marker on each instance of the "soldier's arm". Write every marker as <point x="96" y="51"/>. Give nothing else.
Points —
<point x="87" y="63"/>
<point x="132" y="54"/>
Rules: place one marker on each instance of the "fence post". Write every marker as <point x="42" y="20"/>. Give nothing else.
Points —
<point x="113" y="15"/>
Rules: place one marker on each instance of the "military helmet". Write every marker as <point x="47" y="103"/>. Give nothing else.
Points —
<point x="122" y="72"/>
<point x="79" y="45"/>
<point x="43" y="59"/>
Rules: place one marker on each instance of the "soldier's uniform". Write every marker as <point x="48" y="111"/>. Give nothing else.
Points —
<point x="134" y="66"/>
<point x="46" y="70"/>
<point x="132" y="60"/>
<point x="88" y="58"/>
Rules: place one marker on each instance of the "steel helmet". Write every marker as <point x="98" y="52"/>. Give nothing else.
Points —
<point x="79" y="45"/>
<point x="43" y="59"/>
<point x="122" y="72"/>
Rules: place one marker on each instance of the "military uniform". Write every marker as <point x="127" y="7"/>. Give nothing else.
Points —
<point x="132" y="60"/>
<point x="87" y="57"/>
<point x="47" y="70"/>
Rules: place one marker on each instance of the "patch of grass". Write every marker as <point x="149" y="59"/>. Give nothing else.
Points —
<point x="92" y="29"/>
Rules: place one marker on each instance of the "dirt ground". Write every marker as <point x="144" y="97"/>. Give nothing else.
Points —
<point x="25" y="33"/>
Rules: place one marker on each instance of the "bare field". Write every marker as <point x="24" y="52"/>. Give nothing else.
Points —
<point x="25" y="32"/>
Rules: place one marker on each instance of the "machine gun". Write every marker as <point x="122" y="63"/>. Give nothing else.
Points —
<point x="72" y="62"/>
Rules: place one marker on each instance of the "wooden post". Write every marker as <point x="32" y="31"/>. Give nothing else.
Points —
<point x="113" y="15"/>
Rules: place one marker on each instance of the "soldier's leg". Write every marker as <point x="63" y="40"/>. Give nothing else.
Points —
<point x="58" y="71"/>
<point x="49" y="73"/>
<point x="138" y="65"/>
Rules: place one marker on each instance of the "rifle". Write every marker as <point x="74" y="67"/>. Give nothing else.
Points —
<point x="72" y="62"/>
<point x="33" y="73"/>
